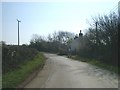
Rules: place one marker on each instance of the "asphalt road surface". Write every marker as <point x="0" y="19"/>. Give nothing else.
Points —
<point x="62" y="72"/>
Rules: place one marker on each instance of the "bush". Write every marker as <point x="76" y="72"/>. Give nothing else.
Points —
<point x="101" y="42"/>
<point x="13" y="56"/>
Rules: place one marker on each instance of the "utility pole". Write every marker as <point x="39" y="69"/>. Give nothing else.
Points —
<point x="96" y="25"/>
<point x="119" y="13"/>
<point x="96" y="47"/>
<point x="18" y="31"/>
<point x="119" y="8"/>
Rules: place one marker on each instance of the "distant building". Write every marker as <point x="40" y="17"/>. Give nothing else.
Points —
<point x="76" y="43"/>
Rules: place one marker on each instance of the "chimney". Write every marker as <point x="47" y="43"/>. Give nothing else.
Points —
<point x="80" y="34"/>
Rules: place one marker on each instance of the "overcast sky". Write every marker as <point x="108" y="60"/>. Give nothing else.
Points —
<point x="46" y="17"/>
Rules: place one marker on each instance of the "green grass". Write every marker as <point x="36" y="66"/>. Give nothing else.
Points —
<point x="0" y="81"/>
<point x="14" y="78"/>
<point x="112" y="69"/>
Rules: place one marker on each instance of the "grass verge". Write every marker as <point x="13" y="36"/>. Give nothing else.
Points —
<point x="14" y="78"/>
<point x="0" y="81"/>
<point x="112" y="69"/>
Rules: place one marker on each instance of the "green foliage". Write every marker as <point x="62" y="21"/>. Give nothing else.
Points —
<point x="13" y="56"/>
<point x="102" y="44"/>
<point x="58" y="42"/>
<point x="13" y="78"/>
<point x="98" y="63"/>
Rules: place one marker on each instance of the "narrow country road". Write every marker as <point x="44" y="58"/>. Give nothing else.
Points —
<point x="61" y="72"/>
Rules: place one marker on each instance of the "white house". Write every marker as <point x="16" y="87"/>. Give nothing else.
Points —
<point x="77" y="43"/>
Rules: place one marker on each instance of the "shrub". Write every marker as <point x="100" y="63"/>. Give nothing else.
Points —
<point x="13" y="56"/>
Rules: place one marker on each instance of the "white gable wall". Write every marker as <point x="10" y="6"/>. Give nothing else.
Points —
<point x="77" y="43"/>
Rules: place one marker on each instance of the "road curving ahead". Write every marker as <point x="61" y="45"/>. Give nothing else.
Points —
<point x="62" y="72"/>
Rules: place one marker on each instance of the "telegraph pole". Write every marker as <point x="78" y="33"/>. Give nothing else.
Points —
<point x="18" y="31"/>
<point x="96" y="28"/>
<point x="119" y="8"/>
<point x="96" y="25"/>
<point x="119" y="12"/>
